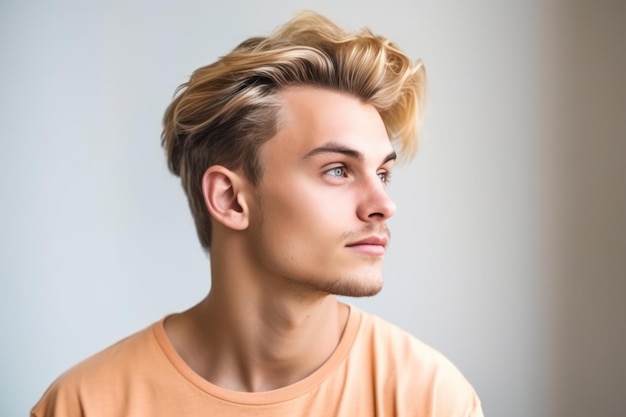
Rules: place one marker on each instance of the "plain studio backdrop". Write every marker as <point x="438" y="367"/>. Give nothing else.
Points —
<point x="509" y="239"/>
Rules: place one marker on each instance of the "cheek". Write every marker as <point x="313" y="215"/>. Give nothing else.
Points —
<point x="301" y="219"/>
<point x="303" y="210"/>
<point x="291" y="212"/>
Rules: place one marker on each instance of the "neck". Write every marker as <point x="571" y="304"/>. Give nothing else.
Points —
<point x="250" y="334"/>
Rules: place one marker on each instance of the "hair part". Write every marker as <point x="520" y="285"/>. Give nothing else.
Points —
<point x="228" y="109"/>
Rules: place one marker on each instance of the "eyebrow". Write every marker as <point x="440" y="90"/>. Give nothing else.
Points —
<point x="334" y="147"/>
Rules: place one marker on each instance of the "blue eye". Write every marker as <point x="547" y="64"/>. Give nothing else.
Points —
<point x="337" y="172"/>
<point x="384" y="177"/>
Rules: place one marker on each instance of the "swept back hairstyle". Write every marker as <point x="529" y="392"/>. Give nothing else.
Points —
<point x="228" y="109"/>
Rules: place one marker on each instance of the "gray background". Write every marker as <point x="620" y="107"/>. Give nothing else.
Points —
<point x="509" y="239"/>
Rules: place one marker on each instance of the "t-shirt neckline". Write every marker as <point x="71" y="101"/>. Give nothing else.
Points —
<point x="286" y="393"/>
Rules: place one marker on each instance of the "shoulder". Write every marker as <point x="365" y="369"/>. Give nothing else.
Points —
<point x="109" y="371"/>
<point x="399" y="345"/>
<point x="415" y="370"/>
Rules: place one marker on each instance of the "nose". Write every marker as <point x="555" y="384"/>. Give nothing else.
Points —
<point x="375" y="203"/>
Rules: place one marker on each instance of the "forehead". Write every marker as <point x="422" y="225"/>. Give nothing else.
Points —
<point x="311" y="117"/>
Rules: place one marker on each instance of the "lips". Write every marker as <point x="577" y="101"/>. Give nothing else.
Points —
<point x="371" y="240"/>
<point x="372" y="245"/>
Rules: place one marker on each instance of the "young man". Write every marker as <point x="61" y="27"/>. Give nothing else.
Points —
<point x="284" y="150"/>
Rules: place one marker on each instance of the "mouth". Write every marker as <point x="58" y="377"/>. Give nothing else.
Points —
<point x="372" y="245"/>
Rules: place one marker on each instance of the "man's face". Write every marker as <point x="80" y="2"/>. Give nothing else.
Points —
<point x="319" y="218"/>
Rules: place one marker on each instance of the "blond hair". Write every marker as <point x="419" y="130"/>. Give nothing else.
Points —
<point x="228" y="109"/>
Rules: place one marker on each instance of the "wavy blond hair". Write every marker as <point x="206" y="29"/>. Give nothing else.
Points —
<point x="228" y="109"/>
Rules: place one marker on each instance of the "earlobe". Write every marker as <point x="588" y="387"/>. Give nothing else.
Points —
<point x="224" y="197"/>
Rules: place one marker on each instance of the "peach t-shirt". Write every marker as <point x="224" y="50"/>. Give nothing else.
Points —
<point x="376" y="370"/>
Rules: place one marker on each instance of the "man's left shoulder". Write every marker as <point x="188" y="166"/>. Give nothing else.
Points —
<point x="401" y="345"/>
<point x="411" y="365"/>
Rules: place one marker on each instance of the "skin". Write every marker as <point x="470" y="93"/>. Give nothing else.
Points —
<point x="313" y="228"/>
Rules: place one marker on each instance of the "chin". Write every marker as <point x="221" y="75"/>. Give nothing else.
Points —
<point x="361" y="292"/>
<point x="356" y="287"/>
<point x="366" y="284"/>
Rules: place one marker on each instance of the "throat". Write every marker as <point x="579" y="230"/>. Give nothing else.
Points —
<point x="263" y="353"/>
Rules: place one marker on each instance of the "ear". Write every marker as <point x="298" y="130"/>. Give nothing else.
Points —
<point x="225" y="197"/>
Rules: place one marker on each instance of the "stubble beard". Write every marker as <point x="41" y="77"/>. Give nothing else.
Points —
<point x="355" y="287"/>
<point x="344" y="286"/>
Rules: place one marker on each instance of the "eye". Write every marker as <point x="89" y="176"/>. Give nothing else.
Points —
<point x="384" y="176"/>
<point x="337" y="172"/>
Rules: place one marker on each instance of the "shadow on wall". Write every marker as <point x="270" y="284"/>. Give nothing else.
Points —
<point x="583" y="160"/>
